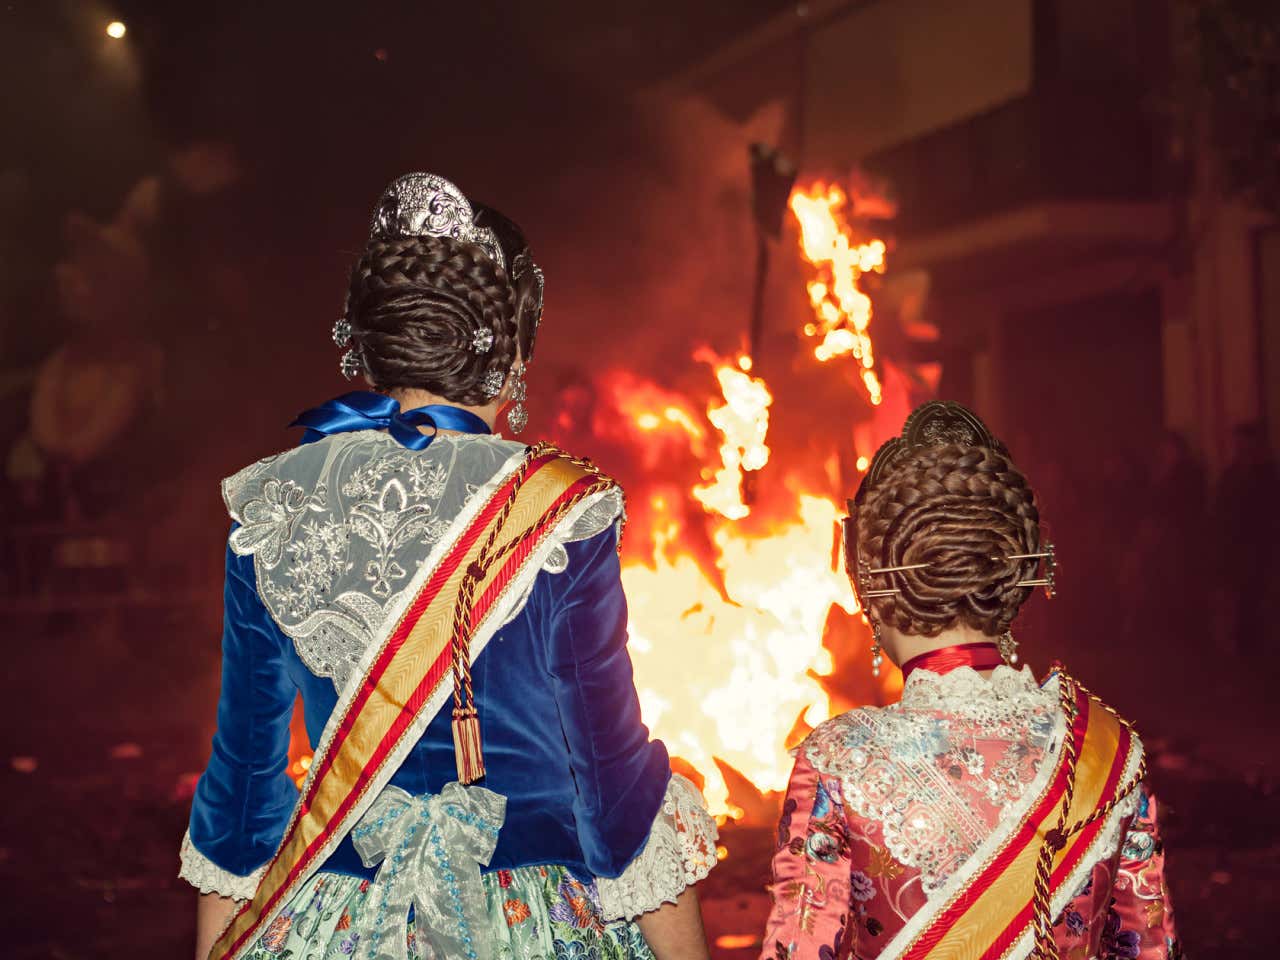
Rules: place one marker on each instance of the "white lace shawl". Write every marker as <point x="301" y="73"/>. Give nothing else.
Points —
<point x="681" y="850"/>
<point x="887" y="761"/>
<point x="307" y="514"/>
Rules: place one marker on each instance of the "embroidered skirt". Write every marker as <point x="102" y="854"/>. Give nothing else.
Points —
<point x="535" y="913"/>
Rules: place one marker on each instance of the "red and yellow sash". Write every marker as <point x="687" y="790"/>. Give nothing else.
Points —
<point x="402" y="687"/>
<point x="995" y="907"/>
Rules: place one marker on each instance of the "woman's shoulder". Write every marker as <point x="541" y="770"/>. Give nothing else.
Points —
<point x="844" y="744"/>
<point x="601" y="510"/>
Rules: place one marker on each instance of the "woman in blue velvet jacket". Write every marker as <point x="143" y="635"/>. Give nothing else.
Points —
<point x="600" y="843"/>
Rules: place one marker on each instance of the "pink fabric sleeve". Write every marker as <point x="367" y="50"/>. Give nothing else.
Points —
<point x="811" y="869"/>
<point x="1142" y="923"/>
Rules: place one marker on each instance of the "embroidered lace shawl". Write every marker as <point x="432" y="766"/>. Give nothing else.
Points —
<point x="886" y="804"/>
<point x="300" y="511"/>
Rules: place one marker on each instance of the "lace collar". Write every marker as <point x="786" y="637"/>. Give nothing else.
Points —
<point x="965" y="692"/>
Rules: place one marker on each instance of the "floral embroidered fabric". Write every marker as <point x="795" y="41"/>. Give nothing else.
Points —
<point x="299" y="512"/>
<point x="931" y="771"/>
<point x="885" y="806"/>
<point x="681" y="850"/>
<point x="531" y="913"/>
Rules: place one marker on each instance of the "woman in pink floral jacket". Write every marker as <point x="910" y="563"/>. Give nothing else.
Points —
<point x="986" y="815"/>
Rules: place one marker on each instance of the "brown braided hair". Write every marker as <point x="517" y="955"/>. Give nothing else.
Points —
<point x="961" y="510"/>
<point x="415" y="304"/>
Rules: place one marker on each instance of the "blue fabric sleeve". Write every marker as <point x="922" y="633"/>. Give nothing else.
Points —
<point x="620" y="774"/>
<point x="245" y="796"/>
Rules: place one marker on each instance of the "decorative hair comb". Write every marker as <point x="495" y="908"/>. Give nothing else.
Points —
<point x="422" y="205"/>
<point x="931" y="424"/>
<point x="425" y="205"/>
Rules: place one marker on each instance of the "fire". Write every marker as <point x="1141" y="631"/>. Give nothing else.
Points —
<point x="842" y="310"/>
<point x="653" y="409"/>
<point x="743" y="420"/>
<point x="729" y="660"/>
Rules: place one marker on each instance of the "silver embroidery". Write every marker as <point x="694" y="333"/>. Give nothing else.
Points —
<point x="338" y="529"/>
<point x="267" y="520"/>
<point x="913" y="767"/>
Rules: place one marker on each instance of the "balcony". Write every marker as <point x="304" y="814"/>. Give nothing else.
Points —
<point x="1044" y="148"/>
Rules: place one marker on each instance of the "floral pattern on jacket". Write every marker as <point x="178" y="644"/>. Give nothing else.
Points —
<point x="841" y="889"/>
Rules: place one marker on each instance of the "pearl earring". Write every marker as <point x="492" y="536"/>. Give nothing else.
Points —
<point x="1008" y="647"/>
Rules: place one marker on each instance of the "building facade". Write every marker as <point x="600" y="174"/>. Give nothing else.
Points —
<point x="1093" y="287"/>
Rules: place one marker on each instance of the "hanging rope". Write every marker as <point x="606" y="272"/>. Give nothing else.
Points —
<point x="1055" y="840"/>
<point x="466" y="722"/>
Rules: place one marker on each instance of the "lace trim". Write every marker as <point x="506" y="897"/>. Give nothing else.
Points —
<point x="598" y="517"/>
<point x="339" y="530"/>
<point x="681" y="850"/>
<point x="207" y="877"/>
<point x="964" y="692"/>
<point x="915" y="768"/>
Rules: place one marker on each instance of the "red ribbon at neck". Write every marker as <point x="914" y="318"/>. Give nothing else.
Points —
<point x="979" y="656"/>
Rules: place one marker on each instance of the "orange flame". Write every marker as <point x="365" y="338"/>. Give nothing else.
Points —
<point x="842" y="311"/>
<point x="743" y="420"/>
<point x="727" y="661"/>
<point x="663" y="414"/>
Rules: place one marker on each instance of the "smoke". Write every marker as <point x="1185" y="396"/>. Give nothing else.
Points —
<point x="657" y="251"/>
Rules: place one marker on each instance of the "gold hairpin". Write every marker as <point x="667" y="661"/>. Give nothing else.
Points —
<point x="1049" y="555"/>
<point x="909" y="566"/>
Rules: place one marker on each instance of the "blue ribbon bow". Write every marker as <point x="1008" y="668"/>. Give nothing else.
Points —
<point x="431" y="848"/>
<point x="366" y="410"/>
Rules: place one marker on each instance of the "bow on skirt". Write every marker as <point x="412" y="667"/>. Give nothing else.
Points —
<point x="431" y="849"/>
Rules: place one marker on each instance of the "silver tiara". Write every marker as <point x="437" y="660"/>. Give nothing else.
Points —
<point x="424" y="205"/>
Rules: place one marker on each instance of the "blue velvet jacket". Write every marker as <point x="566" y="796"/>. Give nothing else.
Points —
<point x="559" y="715"/>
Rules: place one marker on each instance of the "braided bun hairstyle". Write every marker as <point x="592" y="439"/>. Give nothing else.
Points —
<point x="961" y="509"/>
<point x="416" y="304"/>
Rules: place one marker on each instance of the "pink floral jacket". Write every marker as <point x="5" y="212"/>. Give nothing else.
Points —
<point x="884" y="805"/>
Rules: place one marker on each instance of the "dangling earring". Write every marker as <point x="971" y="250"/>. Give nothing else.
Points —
<point x="1008" y="647"/>
<point x="877" y="657"/>
<point x="518" y="416"/>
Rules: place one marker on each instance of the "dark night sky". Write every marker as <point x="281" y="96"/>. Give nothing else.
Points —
<point x="505" y="98"/>
<point x="505" y="91"/>
<point x="526" y="106"/>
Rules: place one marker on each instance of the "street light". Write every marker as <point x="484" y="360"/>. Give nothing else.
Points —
<point x="115" y="30"/>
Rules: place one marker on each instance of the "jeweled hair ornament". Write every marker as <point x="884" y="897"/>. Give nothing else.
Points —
<point x="422" y="205"/>
<point x="930" y="425"/>
<point x="352" y="364"/>
<point x="493" y="382"/>
<point x="425" y="205"/>
<point x="342" y="332"/>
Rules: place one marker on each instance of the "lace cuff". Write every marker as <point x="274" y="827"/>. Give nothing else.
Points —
<point x="681" y="850"/>
<point x="207" y="877"/>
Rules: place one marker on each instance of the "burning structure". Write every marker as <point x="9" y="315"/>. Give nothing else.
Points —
<point x="740" y="610"/>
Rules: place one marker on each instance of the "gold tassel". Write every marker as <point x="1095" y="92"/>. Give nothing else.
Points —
<point x="466" y="745"/>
